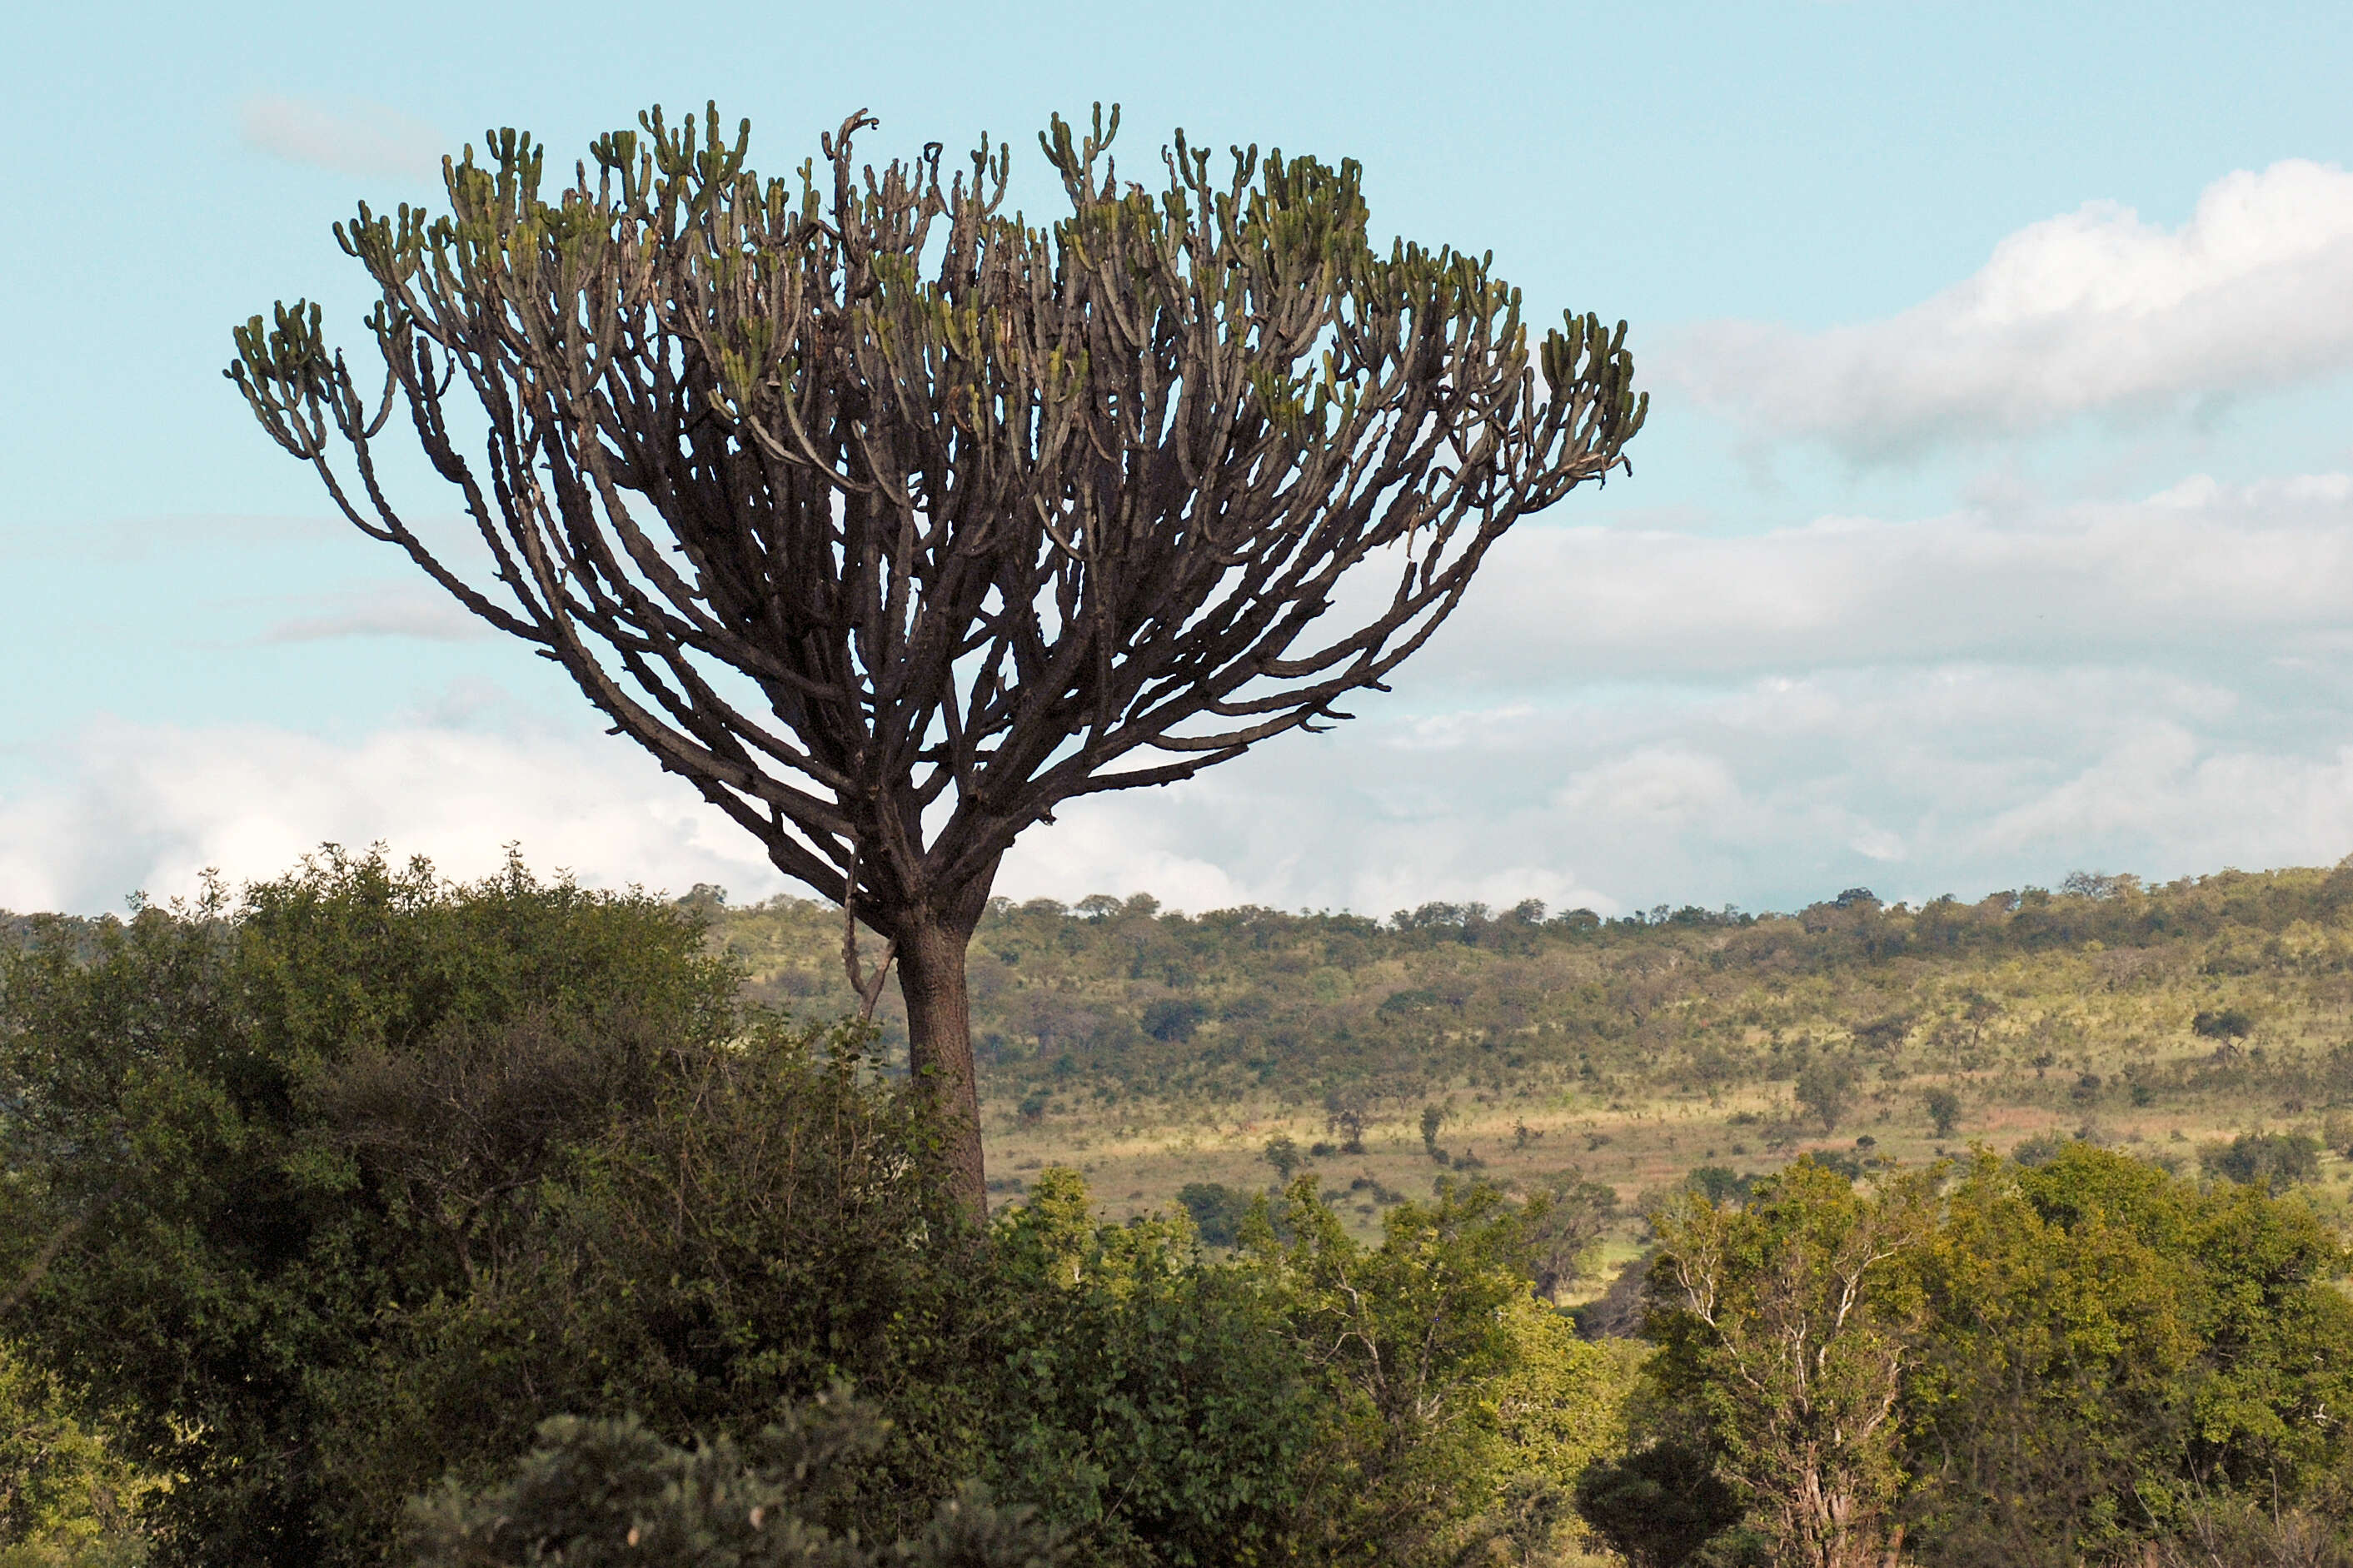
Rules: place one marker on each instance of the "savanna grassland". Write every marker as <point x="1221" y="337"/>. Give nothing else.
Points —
<point x="1153" y="1049"/>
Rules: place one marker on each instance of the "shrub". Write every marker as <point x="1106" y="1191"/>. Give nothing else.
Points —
<point x="65" y="1497"/>
<point x="1283" y="1154"/>
<point x="1825" y="1087"/>
<point x="2105" y="1346"/>
<point x="1173" y="1019"/>
<point x="2273" y="1160"/>
<point x="1566" y="1220"/>
<point x="367" y="1174"/>
<point x="1399" y="1341"/>
<point x="1140" y="1396"/>
<point x="2337" y="1132"/>
<point x="1216" y="1210"/>
<point x="1659" y="1505"/>
<point x="1720" y="1183"/>
<point x="2223" y="1024"/>
<point x="598" y="1492"/>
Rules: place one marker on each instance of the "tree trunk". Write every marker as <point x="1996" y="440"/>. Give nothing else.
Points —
<point x="939" y="1048"/>
<point x="1829" y="1528"/>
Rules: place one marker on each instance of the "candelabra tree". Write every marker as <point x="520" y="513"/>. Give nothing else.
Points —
<point x="891" y="523"/>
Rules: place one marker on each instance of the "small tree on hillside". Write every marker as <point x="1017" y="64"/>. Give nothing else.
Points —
<point x="1825" y="1087"/>
<point x="1566" y="1222"/>
<point x="1944" y="1108"/>
<point x="1345" y="1114"/>
<point x="1283" y="1154"/>
<point x="1432" y="1119"/>
<point x="891" y="523"/>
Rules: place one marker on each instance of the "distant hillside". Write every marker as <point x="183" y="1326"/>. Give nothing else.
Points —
<point x="1123" y="997"/>
<point x="1156" y="1050"/>
<point x="20" y="931"/>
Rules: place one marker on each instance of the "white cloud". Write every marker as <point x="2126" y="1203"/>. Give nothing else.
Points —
<point x="1669" y="787"/>
<point x="2197" y="568"/>
<point x="350" y="138"/>
<point x="2091" y="311"/>
<point x="1126" y="852"/>
<point x="405" y="610"/>
<point x="124" y="808"/>
<point x="1772" y="791"/>
<point x="2157" y="784"/>
<point x="1972" y="701"/>
<point x="1767" y="792"/>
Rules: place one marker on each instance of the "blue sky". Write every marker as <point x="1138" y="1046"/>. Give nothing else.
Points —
<point x="1992" y="520"/>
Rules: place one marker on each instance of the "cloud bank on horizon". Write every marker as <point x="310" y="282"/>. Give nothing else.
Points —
<point x="1948" y="705"/>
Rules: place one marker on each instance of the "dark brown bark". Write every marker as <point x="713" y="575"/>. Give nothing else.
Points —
<point x="931" y="955"/>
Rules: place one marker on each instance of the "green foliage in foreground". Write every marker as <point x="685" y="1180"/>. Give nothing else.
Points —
<point x="593" y="1493"/>
<point x="66" y="1496"/>
<point x="338" y="1193"/>
<point x="309" y="1156"/>
<point x="341" y="1190"/>
<point x="2032" y="1366"/>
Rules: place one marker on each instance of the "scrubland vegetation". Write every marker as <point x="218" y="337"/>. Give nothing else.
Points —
<point x="1153" y="1050"/>
<point x="358" y="1217"/>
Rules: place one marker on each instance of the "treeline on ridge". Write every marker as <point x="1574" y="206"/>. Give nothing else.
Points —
<point x="1128" y="1000"/>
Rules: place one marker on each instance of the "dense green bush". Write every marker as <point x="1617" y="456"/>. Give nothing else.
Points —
<point x="2273" y="1160"/>
<point x="2111" y="1346"/>
<point x="1144" y="1399"/>
<point x="280" y="1138"/>
<point x="366" y="1176"/>
<point x="67" y="1496"/>
<point x="2086" y="1359"/>
<point x="1399" y="1340"/>
<point x="340" y="1190"/>
<point x="1657" y="1505"/>
<point x="1217" y="1209"/>
<point x="594" y="1493"/>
